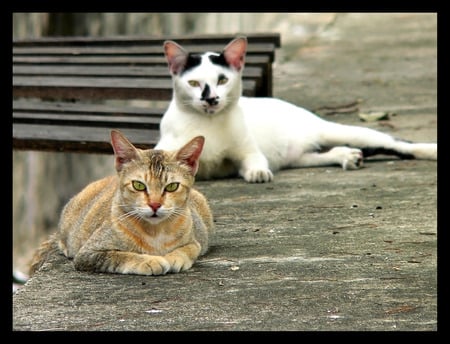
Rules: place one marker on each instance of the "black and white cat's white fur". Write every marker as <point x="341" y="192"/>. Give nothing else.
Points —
<point x="254" y="137"/>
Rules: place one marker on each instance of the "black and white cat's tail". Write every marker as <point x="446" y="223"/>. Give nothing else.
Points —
<point x="372" y="142"/>
<point x="348" y="146"/>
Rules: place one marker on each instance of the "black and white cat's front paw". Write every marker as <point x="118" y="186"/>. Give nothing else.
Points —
<point x="258" y="175"/>
<point x="255" y="168"/>
<point x="348" y="158"/>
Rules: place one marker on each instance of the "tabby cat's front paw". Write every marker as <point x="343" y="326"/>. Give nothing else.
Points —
<point x="258" y="176"/>
<point x="155" y="265"/>
<point x="179" y="263"/>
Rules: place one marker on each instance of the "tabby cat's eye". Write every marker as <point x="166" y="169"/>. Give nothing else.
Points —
<point x="172" y="187"/>
<point x="137" y="185"/>
<point x="222" y="80"/>
<point x="194" y="83"/>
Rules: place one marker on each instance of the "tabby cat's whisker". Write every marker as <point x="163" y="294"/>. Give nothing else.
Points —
<point x="178" y="213"/>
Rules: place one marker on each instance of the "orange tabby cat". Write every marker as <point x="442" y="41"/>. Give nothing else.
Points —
<point x="147" y="219"/>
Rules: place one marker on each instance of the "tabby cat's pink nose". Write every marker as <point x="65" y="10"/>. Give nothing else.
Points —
<point x="154" y="205"/>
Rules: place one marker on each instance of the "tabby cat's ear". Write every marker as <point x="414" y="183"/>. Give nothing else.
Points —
<point x="124" y="151"/>
<point x="189" y="154"/>
<point x="234" y="52"/>
<point x="176" y="56"/>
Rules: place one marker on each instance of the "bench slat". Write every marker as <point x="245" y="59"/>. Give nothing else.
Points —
<point x="61" y="87"/>
<point x="133" y="71"/>
<point x="129" y="60"/>
<point x="76" y="139"/>
<point x="250" y="73"/>
<point x="198" y="39"/>
<point x="87" y="120"/>
<point x="38" y="106"/>
<point x="117" y="50"/>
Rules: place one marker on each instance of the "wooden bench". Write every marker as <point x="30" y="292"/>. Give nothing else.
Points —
<point x="61" y="87"/>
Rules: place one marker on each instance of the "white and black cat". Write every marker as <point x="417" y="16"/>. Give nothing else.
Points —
<point x="254" y="137"/>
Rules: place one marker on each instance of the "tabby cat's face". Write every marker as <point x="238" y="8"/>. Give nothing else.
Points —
<point x="153" y="189"/>
<point x="208" y="85"/>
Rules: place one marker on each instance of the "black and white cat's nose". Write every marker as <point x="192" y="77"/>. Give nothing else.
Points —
<point x="211" y="101"/>
<point x="209" y="96"/>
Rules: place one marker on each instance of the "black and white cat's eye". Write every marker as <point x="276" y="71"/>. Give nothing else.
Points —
<point x="172" y="187"/>
<point x="138" y="186"/>
<point x="194" y="83"/>
<point x="222" y="80"/>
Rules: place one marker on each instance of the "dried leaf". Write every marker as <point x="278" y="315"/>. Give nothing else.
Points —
<point x="374" y="116"/>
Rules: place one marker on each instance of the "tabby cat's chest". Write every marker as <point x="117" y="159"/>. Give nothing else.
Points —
<point x="160" y="242"/>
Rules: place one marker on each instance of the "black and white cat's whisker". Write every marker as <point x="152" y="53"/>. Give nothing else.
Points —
<point x="186" y="103"/>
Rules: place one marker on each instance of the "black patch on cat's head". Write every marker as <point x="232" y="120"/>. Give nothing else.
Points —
<point x="219" y="60"/>
<point x="193" y="60"/>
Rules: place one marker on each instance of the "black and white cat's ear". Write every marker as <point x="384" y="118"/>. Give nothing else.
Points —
<point x="189" y="154"/>
<point x="176" y="56"/>
<point x="124" y="151"/>
<point x="234" y="52"/>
